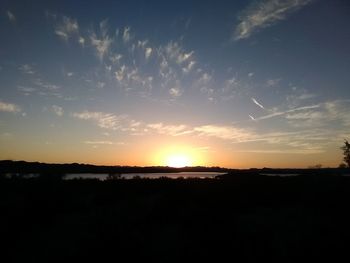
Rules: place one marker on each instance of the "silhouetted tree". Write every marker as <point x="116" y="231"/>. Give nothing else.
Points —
<point x="346" y="153"/>
<point x="342" y="166"/>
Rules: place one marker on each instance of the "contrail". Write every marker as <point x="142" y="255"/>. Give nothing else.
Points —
<point x="257" y="103"/>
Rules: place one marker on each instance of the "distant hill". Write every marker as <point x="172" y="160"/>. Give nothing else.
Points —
<point x="8" y="166"/>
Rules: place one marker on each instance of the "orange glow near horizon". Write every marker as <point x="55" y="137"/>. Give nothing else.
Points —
<point x="178" y="161"/>
<point x="178" y="156"/>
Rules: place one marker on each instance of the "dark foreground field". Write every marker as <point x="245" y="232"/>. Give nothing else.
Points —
<point x="236" y="218"/>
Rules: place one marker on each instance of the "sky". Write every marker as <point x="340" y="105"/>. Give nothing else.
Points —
<point x="235" y="84"/>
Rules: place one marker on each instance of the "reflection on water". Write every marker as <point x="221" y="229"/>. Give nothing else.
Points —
<point x="145" y="175"/>
<point x="105" y="176"/>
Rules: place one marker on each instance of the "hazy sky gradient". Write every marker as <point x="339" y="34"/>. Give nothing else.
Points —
<point x="231" y="83"/>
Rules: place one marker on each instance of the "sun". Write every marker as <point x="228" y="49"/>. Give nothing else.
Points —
<point x="178" y="156"/>
<point x="178" y="161"/>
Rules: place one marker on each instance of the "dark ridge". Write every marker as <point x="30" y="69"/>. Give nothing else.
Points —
<point x="23" y="167"/>
<point x="8" y="166"/>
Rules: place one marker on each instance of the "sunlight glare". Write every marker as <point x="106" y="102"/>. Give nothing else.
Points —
<point x="178" y="156"/>
<point x="178" y="161"/>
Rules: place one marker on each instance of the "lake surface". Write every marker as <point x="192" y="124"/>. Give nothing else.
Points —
<point x="283" y="174"/>
<point x="145" y="175"/>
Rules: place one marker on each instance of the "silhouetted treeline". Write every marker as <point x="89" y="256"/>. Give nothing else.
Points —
<point x="21" y="168"/>
<point x="8" y="166"/>
<point x="240" y="217"/>
<point x="285" y="172"/>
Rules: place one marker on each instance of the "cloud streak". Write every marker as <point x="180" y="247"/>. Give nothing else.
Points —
<point x="57" y="110"/>
<point x="103" y="120"/>
<point x="281" y="113"/>
<point x="11" y="16"/>
<point x="99" y="142"/>
<point x="27" y="69"/>
<point x="300" y="141"/>
<point x="331" y="113"/>
<point x="102" y="45"/>
<point x="257" y="103"/>
<point x="9" y="107"/>
<point x="172" y="130"/>
<point x="67" y="28"/>
<point x="126" y="34"/>
<point x="223" y="132"/>
<point x="263" y="14"/>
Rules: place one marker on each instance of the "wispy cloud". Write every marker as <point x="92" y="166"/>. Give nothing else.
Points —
<point x="115" y="58"/>
<point x="204" y="79"/>
<point x="96" y="144"/>
<point x="40" y="87"/>
<point x="204" y="84"/>
<point x="172" y="130"/>
<point x="9" y="107"/>
<point x="257" y="103"/>
<point x="305" y="115"/>
<point x="100" y="84"/>
<point x="298" y="96"/>
<point x="135" y="66"/>
<point x="103" y="120"/>
<point x="148" y="52"/>
<point x="81" y="41"/>
<point x="284" y="151"/>
<point x="46" y="85"/>
<point x="11" y="16"/>
<point x="57" y="110"/>
<point x="27" y="69"/>
<point x="176" y="52"/>
<point x="300" y="141"/>
<point x="307" y="96"/>
<point x="329" y="114"/>
<point x="176" y="91"/>
<point x="120" y="73"/>
<point x="67" y="28"/>
<point x="251" y="117"/>
<point x="280" y="113"/>
<point x="264" y="14"/>
<point x="145" y="47"/>
<point x="132" y="79"/>
<point x="99" y="142"/>
<point x="296" y="142"/>
<point x="103" y="43"/>
<point x="126" y="34"/>
<point x="175" y="63"/>
<point x="26" y="90"/>
<point x="189" y="67"/>
<point x="273" y="82"/>
<point x="224" y="132"/>
<point x="231" y="88"/>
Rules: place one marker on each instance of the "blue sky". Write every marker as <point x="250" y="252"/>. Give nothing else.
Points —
<point x="229" y="83"/>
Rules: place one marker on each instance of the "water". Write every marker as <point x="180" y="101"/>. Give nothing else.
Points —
<point x="282" y="174"/>
<point x="145" y="175"/>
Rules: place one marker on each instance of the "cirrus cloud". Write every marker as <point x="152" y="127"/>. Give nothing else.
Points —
<point x="11" y="16"/>
<point x="57" y="110"/>
<point x="263" y="14"/>
<point x="9" y="107"/>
